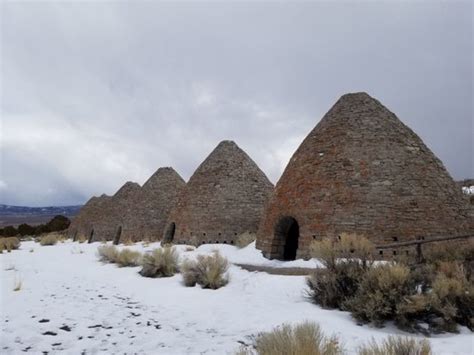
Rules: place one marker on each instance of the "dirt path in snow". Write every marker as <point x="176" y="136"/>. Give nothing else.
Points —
<point x="288" y="271"/>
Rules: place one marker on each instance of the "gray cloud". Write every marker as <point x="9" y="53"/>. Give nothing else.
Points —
<point x="94" y="94"/>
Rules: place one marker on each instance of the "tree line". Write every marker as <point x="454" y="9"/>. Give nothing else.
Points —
<point x="56" y="224"/>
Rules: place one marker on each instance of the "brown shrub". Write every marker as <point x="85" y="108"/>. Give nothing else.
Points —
<point x="9" y="244"/>
<point x="127" y="257"/>
<point x="380" y="290"/>
<point x="331" y="288"/>
<point x="107" y="253"/>
<point x="209" y="271"/>
<point x="304" y="338"/>
<point x="162" y="262"/>
<point x="245" y="239"/>
<point x="397" y="346"/>
<point x="81" y="239"/>
<point x="49" y="239"/>
<point x="348" y="246"/>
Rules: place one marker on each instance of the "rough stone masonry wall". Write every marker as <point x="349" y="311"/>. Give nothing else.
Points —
<point x="146" y="219"/>
<point x="90" y="214"/>
<point x="361" y="170"/>
<point x="224" y="198"/>
<point x="115" y="212"/>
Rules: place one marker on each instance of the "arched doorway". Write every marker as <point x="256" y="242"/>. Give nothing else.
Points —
<point x="287" y="233"/>
<point x="91" y="236"/>
<point x="169" y="234"/>
<point x="117" y="235"/>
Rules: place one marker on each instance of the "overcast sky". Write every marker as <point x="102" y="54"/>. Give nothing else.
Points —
<point x="95" y="94"/>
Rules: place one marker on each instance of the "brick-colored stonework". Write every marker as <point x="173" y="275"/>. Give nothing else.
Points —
<point x="146" y="219"/>
<point x="361" y="170"/>
<point x="132" y="213"/>
<point x="82" y="225"/>
<point x="224" y="198"/>
<point x="112" y="222"/>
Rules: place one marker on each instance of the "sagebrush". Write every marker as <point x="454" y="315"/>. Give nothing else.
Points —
<point x="396" y="346"/>
<point x="209" y="271"/>
<point x="161" y="262"/>
<point x="107" y="253"/>
<point x="127" y="257"/>
<point x="430" y="297"/>
<point x="49" y="239"/>
<point x="245" y="239"/>
<point x="306" y="338"/>
<point x="9" y="244"/>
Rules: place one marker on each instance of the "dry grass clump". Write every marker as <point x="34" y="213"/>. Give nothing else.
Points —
<point x="17" y="285"/>
<point x="348" y="246"/>
<point x="123" y="258"/>
<point x="81" y="239"/>
<point x="107" y="253"/>
<point x="9" y="244"/>
<point x="209" y="271"/>
<point x="306" y="338"/>
<point x="162" y="262"/>
<point x="49" y="239"/>
<point x="245" y="239"/>
<point x="397" y="346"/>
<point x="128" y="258"/>
<point x="127" y="241"/>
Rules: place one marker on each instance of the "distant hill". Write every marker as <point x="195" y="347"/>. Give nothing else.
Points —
<point x="15" y="215"/>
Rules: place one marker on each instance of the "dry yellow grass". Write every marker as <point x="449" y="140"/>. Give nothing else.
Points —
<point x="394" y="345"/>
<point x="49" y="239"/>
<point x="161" y="262"/>
<point x="9" y="244"/>
<point x="209" y="271"/>
<point x="81" y="239"/>
<point x="245" y="239"/>
<point x="306" y="338"/>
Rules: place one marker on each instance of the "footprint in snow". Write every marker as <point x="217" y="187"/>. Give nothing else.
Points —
<point x="50" y="333"/>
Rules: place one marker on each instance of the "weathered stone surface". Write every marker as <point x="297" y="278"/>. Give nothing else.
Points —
<point x="112" y="221"/>
<point x="146" y="219"/>
<point x="133" y="213"/>
<point x="224" y="198"/>
<point x="361" y="170"/>
<point x="82" y="225"/>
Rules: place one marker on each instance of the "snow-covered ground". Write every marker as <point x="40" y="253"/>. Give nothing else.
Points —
<point x="70" y="302"/>
<point x="468" y="190"/>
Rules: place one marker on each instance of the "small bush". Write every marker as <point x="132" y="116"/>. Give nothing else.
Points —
<point x="348" y="246"/>
<point x="332" y="288"/>
<point x="127" y="241"/>
<point x="81" y="239"/>
<point x="397" y="346"/>
<point x="49" y="239"/>
<point x="107" y="253"/>
<point x="430" y="297"/>
<point x="162" y="262"/>
<point x="209" y="271"/>
<point x="128" y="257"/>
<point x="245" y="239"/>
<point x="9" y="243"/>
<point x="304" y="338"/>
<point x="381" y="289"/>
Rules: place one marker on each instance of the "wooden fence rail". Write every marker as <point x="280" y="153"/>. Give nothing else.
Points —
<point x="419" y="242"/>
